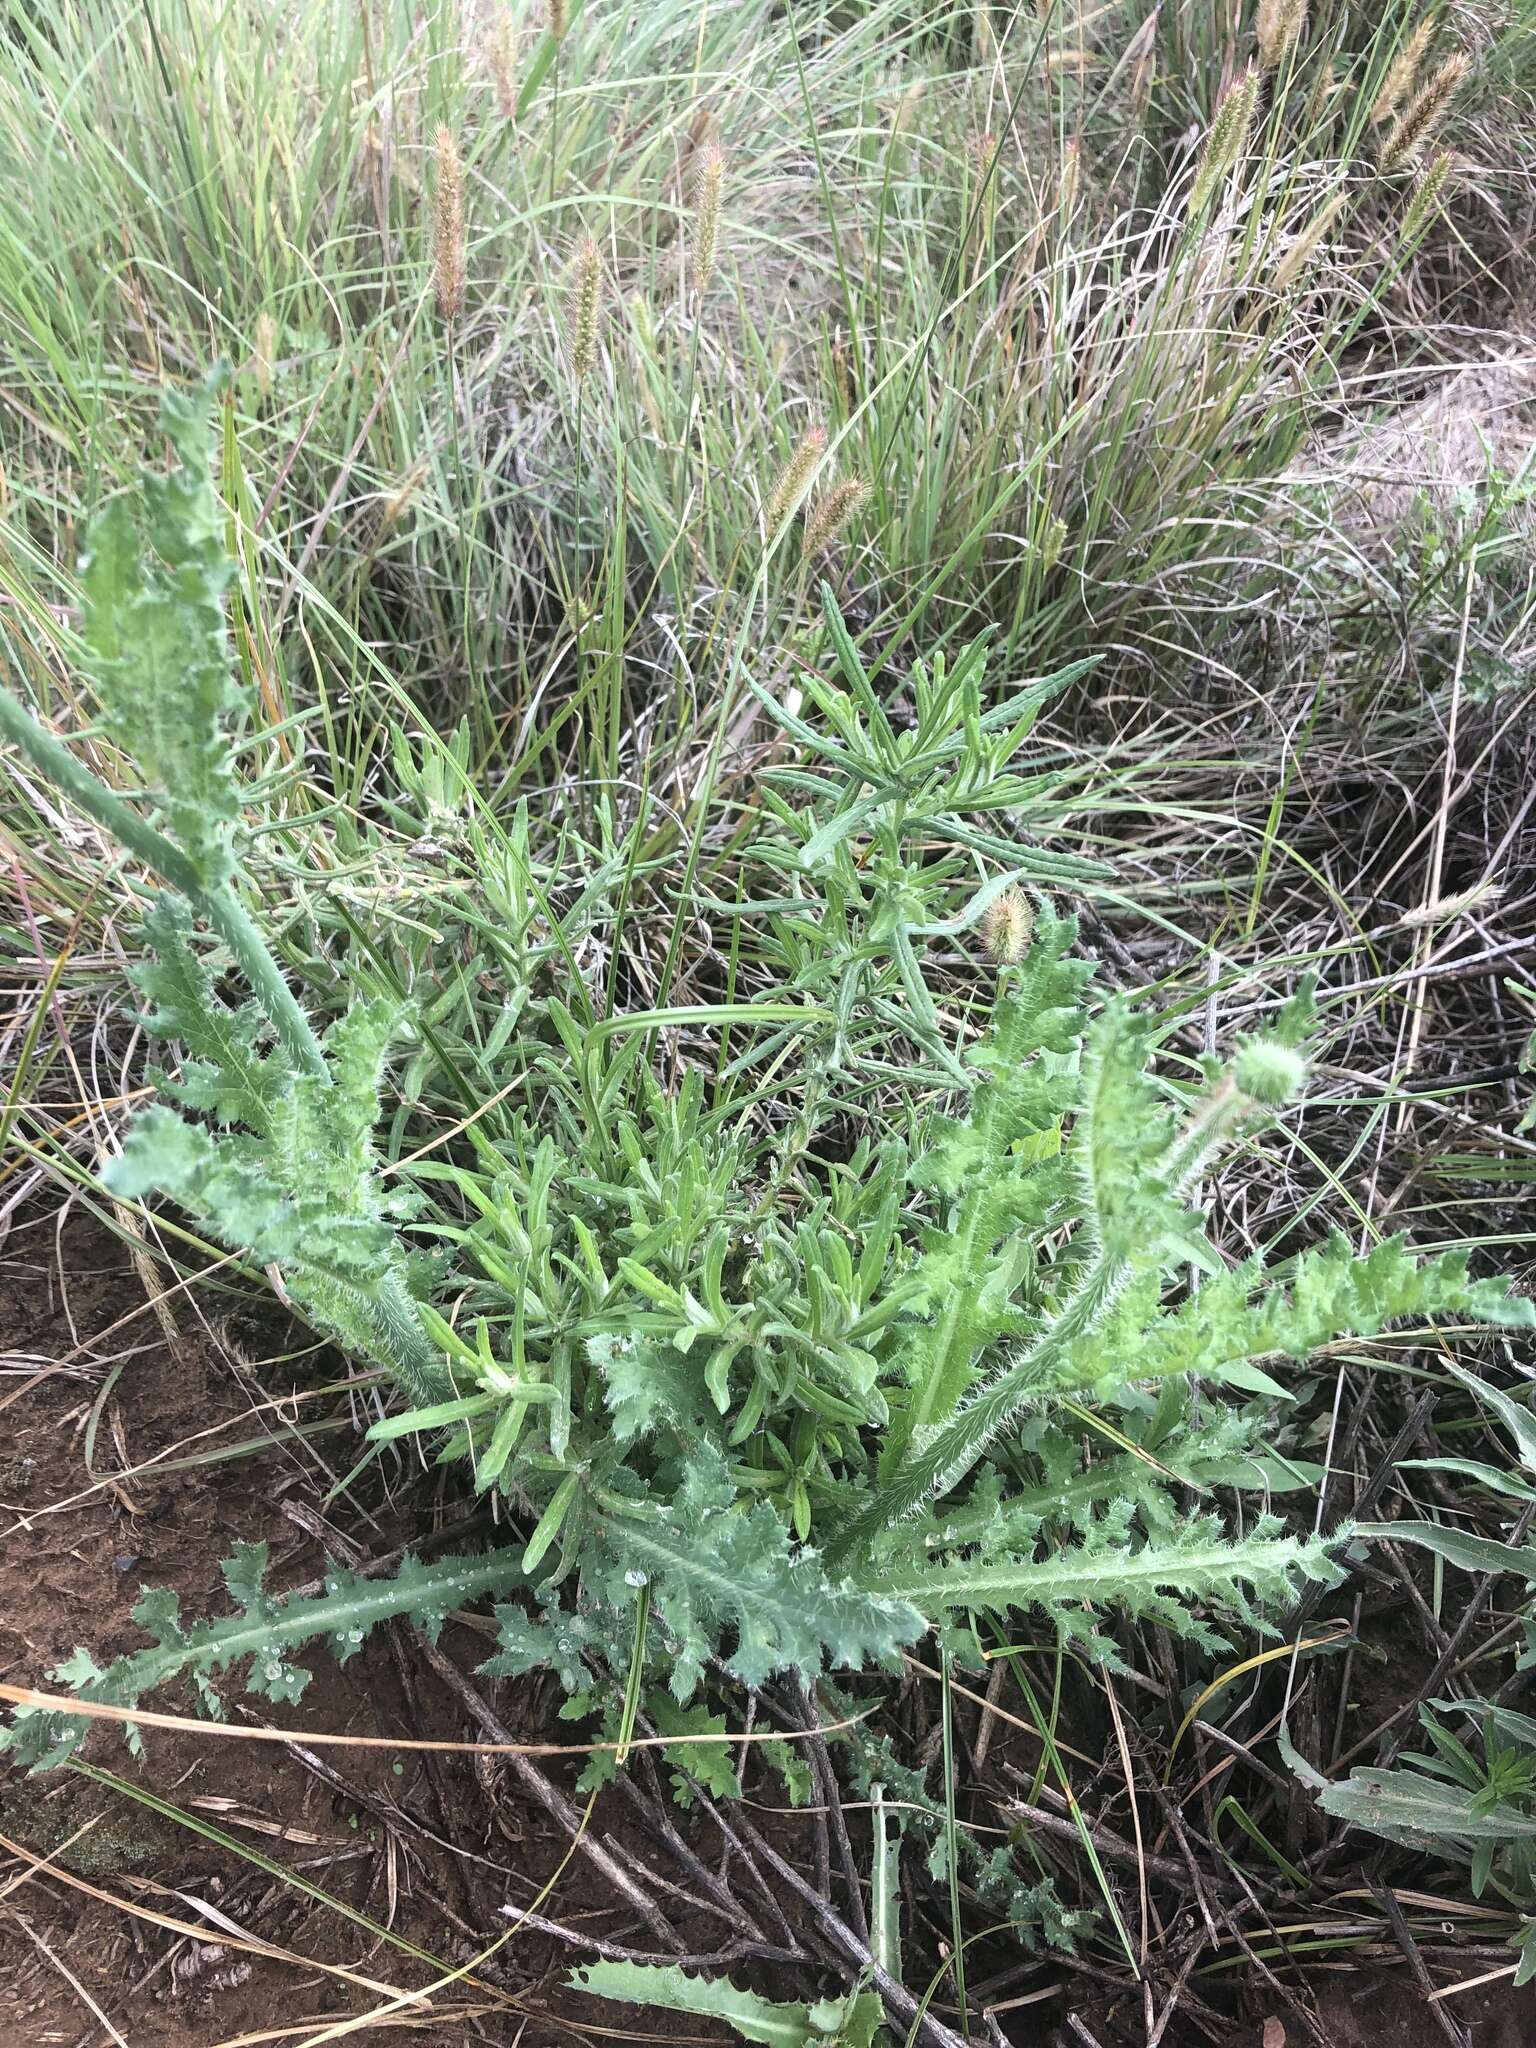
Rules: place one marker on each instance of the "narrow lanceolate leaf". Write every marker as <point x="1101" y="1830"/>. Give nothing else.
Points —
<point x="264" y="1634"/>
<point x="1460" y="1547"/>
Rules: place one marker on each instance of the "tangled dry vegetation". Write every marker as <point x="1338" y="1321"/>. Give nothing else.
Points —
<point x="819" y="780"/>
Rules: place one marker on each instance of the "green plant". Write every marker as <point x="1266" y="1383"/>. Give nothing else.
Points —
<point x="779" y="1365"/>
<point x="837" y="2022"/>
<point x="1452" y="1801"/>
<point x="289" y="1173"/>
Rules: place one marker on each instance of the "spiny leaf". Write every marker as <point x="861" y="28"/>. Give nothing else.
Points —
<point x="155" y="572"/>
<point x="224" y="1073"/>
<point x="851" y="2022"/>
<point x="264" y="1632"/>
<point x="1166" y="1579"/>
<point x="719" y="1572"/>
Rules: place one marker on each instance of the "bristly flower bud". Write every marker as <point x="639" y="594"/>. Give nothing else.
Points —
<point x="1008" y="925"/>
<point x="557" y="18"/>
<point x="1415" y="126"/>
<point x="708" y="181"/>
<point x="793" y="478"/>
<point x="831" y="513"/>
<point x="1279" y="27"/>
<point x="448" y="228"/>
<point x="1227" y="138"/>
<point x="1269" y="1072"/>
<point x="584" y="310"/>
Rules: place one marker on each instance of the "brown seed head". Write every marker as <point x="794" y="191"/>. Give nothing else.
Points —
<point x="708" y="181"/>
<point x="500" y="57"/>
<point x="448" y="228"/>
<point x="793" y="478"/>
<point x="1071" y="179"/>
<point x="1278" y="29"/>
<point x="1052" y="541"/>
<point x="557" y="18"/>
<point x="1402" y="71"/>
<point x="1415" y="126"/>
<point x="831" y="513"/>
<point x="904" y="116"/>
<point x="262" y="354"/>
<point x="584" y="308"/>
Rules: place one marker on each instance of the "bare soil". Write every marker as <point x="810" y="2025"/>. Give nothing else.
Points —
<point x="79" y="1541"/>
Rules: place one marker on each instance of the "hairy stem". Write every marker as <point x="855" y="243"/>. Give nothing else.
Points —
<point x="218" y="903"/>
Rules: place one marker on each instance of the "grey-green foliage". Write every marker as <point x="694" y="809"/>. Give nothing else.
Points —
<point x="262" y="1636"/>
<point x="849" y="2022"/>
<point x="291" y="1174"/>
<point x="1475" y="1806"/>
<point x="155" y="570"/>
<point x="779" y="1371"/>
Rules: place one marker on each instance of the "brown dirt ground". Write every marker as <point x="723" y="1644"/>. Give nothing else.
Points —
<point x="74" y="1554"/>
<point x="79" y="1540"/>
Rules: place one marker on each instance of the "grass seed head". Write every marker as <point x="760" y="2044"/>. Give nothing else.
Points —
<point x="1279" y="28"/>
<point x="499" y="58"/>
<point x="1424" y="198"/>
<point x="1227" y="138"/>
<point x="793" y="478"/>
<point x="904" y="116"/>
<point x="557" y="18"/>
<point x="1052" y="541"/>
<point x="584" y="308"/>
<point x="1007" y="926"/>
<point x="448" y="228"/>
<point x="831" y="512"/>
<point x="1071" y="179"/>
<point x="263" y="351"/>
<point x="1420" y="118"/>
<point x="1402" y="72"/>
<point x="708" y="181"/>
